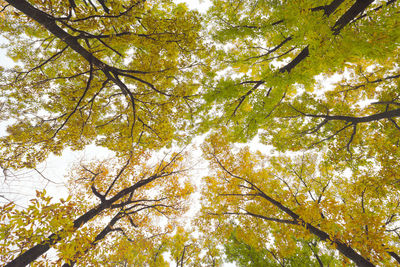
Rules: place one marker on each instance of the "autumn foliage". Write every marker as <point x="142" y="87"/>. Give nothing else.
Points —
<point x="314" y="84"/>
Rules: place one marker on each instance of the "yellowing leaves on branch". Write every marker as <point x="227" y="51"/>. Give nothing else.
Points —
<point x="276" y="198"/>
<point x="122" y="202"/>
<point x="317" y="82"/>
<point x="115" y="78"/>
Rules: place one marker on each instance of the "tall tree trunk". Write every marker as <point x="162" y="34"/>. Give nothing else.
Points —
<point x="35" y="252"/>
<point x="358" y="7"/>
<point x="346" y="250"/>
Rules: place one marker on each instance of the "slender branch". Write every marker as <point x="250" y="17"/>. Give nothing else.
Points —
<point x="117" y="176"/>
<point x="343" y="248"/>
<point x="79" y="102"/>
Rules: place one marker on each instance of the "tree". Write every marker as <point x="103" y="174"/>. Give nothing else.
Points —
<point x="272" y="53"/>
<point x="118" y="203"/>
<point x="281" y="199"/>
<point x="338" y="141"/>
<point x="125" y="75"/>
<point x="118" y="75"/>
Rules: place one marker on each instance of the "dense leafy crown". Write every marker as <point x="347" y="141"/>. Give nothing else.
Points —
<point x="317" y="82"/>
<point x="84" y="75"/>
<point x="274" y="55"/>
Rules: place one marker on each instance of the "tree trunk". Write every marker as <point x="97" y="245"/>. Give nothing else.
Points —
<point x="356" y="9"/>
<point x="35" y="252"/>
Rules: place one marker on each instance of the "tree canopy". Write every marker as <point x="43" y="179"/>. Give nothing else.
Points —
<point x="315" y="83"/>
<point x="83" y="73"/>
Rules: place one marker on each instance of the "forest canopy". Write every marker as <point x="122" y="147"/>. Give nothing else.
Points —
<point x="315" y="84"/>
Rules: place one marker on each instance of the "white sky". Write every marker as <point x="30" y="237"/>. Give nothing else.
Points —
<point x="200" y="5"/>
